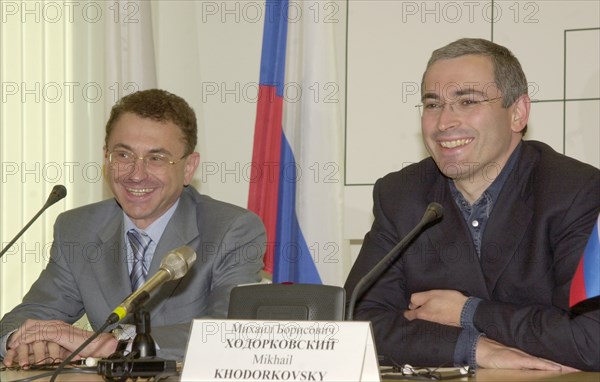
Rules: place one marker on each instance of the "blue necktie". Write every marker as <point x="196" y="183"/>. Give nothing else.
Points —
<point x="139" y="244"/>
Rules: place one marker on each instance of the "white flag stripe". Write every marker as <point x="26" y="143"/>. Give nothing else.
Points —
<point x="313" y="125"/>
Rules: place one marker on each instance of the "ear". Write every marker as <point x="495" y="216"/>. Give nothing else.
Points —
<point x="191" y="164"/>
<point x="520" y="113"/>
<point x="105" y="162"/>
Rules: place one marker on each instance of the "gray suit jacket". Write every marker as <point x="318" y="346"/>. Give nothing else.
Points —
<point x="88" y="273"/>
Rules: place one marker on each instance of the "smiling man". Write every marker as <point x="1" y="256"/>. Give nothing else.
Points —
<point x="487" y="285"/>
<point x="104" y="251"/>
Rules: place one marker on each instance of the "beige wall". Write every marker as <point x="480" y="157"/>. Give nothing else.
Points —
<point x="389" y="43"/>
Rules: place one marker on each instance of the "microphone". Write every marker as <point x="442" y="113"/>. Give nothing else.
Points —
<point x="433" y="212"/>
<point x="58" y="192"/>
<point x="172" y="267"/>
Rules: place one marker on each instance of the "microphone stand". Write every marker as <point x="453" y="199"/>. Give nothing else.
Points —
<point x="143" y="363"/>
<point x="22" y="231"/>
<point x="434" y="212"/>
<point x="143" y="345"/>
<point x="142" y="360"/>
<point x="58" y="192"/>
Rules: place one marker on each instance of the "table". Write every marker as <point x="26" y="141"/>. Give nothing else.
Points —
<point x="482" y="375"/>
<point x="504" y="375"/>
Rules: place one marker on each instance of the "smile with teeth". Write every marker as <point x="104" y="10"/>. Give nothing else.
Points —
<point x="455" y="143"/>
<point x="139" y="191"/>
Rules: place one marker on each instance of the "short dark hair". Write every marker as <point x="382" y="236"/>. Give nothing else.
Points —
<point x="158" y="105"/>
<point x="508" y="74"/>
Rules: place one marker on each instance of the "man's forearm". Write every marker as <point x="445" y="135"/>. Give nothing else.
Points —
<point x="543" y="331"/>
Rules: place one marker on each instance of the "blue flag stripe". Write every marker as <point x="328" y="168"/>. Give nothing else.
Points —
<point x="293" y="260"/>
<point x="272" y="65"/>
<point x="591" y="265"/>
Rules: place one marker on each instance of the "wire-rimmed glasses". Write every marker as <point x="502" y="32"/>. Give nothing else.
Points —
<point x="462" y="105"/>
<point x="420" y="373"/>
<point x="125" y="159"/>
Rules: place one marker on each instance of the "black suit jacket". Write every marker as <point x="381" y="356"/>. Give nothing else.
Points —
<point x="530" y="249"/>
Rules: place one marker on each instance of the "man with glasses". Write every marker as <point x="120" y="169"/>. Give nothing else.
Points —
<point x="104" y="251"/>
<point x="488" y="284"/>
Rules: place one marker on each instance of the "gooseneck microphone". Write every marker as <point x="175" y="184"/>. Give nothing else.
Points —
<point x="433" y="212"/>
<point x="172" y="267"/>
<point x="58" y="192"/>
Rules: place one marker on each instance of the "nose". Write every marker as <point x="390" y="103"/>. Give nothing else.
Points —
<point x="447" y="118"/>
<point x="138" y="170"/>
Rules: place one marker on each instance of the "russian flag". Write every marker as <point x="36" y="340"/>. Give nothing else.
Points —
<point x="295" y="184"/>
<point x="586" y="281"/>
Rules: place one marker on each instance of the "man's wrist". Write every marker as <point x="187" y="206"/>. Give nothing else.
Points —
<point x="107" y="347"/>
<point x="124" y="332"/>
<point x="120" y="335"/>
<point x="4" y="340"/>
<point x="466" y="348"/>
<point x="124" y="335"/>
<point x="468" y="312"/>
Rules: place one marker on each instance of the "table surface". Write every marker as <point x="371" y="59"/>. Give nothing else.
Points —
<point x="482" y="375"/>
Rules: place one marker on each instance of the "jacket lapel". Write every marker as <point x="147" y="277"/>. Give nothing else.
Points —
<point x="181" y="230"/>
<point x="454" y="246"/>
<point x="509" y="220"/>
<point x="111" y="270"/>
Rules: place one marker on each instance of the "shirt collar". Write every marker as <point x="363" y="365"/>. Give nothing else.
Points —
<point x="156" y="229"/>
<point x="493" y="189"/>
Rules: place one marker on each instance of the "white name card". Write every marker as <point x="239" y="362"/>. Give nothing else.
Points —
<point x="251" y="350"/>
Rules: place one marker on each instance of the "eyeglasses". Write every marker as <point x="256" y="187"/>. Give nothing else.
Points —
<point x="463" y="105"/>
<point x="437" y="374"/>
<point x="156" y="161"/>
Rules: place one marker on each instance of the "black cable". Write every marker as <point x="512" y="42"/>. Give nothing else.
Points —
<point x="85" y="343"/>
<point x="91" y="370"/>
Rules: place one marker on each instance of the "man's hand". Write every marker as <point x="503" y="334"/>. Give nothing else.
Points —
<point x="493" y="355"/>
<point x="37" y="340"/>
<point x="103" y="346"/>
<point x="35" y="353"/>
<point x="441" y="306"/>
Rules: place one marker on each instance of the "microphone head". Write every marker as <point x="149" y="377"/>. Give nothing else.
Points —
<point x="58" y="192"/>
<point x="433" y="212"/>
<point x="178" y="262"/>
<point x="436" y="208"/>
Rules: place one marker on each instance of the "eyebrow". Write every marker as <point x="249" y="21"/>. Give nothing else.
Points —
<point x="429" y="96"/>
<point x="459" y="93"/>
<point x="152" y="151"/>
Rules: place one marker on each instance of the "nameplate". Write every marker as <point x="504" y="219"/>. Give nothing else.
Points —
<point x="251" y="350"/>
